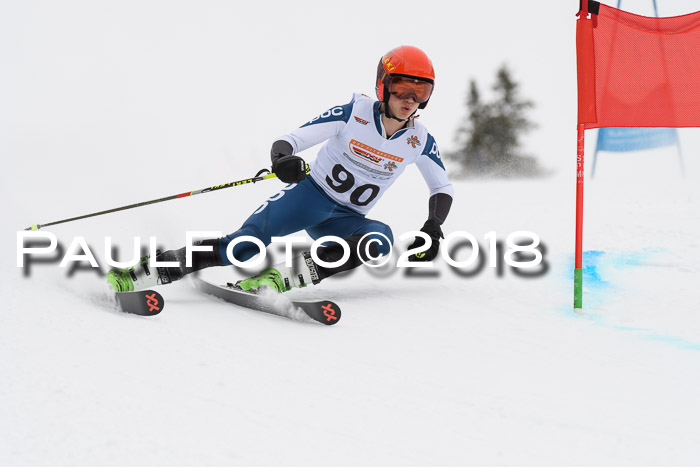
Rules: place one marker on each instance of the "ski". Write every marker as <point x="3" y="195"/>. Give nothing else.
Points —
<point x="324" y="311"/>
<point x="143" y="302"/>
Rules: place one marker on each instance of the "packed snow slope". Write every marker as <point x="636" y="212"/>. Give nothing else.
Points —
<point x="452" y="369"/>
<point x="108" y="105"/>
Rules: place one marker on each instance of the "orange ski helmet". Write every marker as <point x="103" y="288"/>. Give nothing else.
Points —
<point x="408" y="62"/>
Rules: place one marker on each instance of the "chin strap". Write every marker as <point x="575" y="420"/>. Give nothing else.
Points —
<point x="388" y="113"/>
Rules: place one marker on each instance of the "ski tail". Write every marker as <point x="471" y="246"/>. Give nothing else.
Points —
<point x="142" y="302"/>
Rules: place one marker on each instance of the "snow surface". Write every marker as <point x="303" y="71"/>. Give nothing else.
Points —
<point x="442" y="371"/>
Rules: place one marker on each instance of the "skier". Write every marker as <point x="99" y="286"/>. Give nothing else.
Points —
<point x="368" y="144"/>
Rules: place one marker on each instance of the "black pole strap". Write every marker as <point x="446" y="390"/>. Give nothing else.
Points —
<point x="593" y="6"/>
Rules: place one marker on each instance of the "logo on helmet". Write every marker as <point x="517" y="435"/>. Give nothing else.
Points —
<point x="387" y="64"/>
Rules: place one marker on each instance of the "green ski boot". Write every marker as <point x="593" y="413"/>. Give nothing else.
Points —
<point x="281" y="278"/>
<point x="120" y="280"/>
<point x="139" y="277"/>
<point x="268" y="279"/>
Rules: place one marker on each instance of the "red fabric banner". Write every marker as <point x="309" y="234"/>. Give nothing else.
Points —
<point x="635" y="71"/>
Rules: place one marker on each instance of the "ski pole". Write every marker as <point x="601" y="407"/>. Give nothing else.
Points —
<point x="261" y="175"/>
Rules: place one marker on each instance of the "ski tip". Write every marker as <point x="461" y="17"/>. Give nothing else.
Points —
<point x="323" y="311"/>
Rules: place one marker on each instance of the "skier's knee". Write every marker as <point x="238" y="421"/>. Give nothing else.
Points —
<point x="381" y="238"/>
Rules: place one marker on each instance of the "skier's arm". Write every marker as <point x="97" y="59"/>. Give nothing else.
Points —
<point x="288" y="167"/>
<point x="291" y="168"/>
<point x="441" y="194"/>
<point x="317" y="130"/>
<point x="441" y="190"/>
<point x="439" y="206"/>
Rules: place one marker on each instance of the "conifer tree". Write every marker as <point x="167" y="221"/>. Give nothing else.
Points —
<point x="490" y="137"/>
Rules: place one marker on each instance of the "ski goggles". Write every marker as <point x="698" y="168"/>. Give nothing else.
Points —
<point x="405" y="88"/>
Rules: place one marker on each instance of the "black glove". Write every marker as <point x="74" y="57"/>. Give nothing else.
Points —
<point x="432" y="228"/>
<point x="290" y="169"/>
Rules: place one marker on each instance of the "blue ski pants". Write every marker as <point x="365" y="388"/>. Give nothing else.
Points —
<point x="302" y="206"/>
